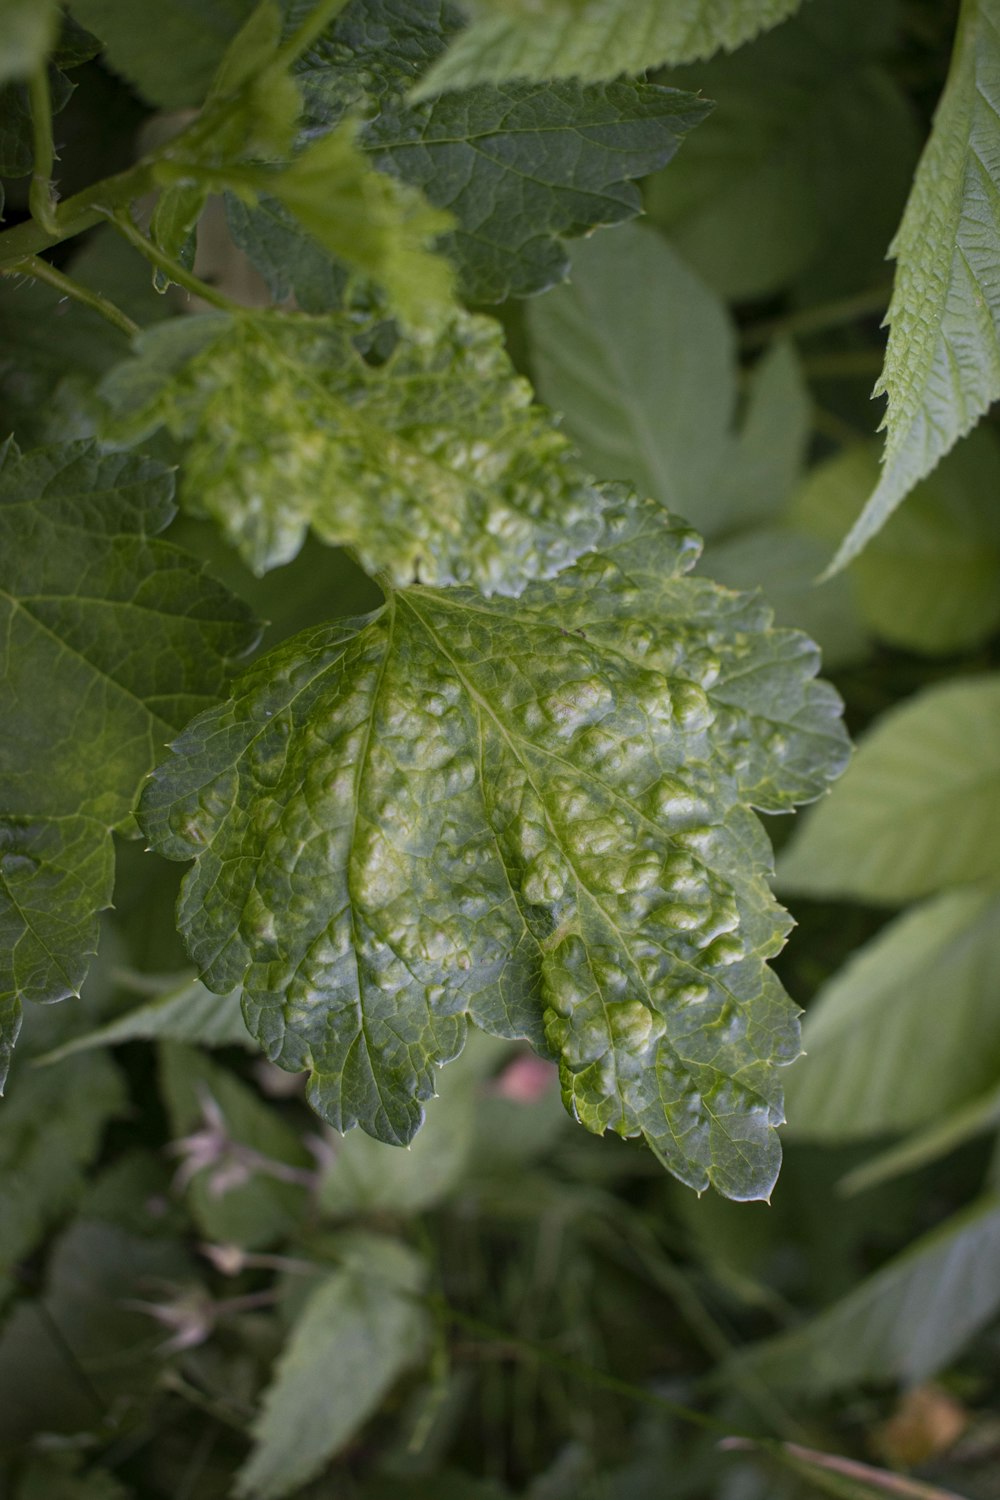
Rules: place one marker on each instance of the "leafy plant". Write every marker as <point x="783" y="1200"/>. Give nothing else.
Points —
<point x="357" y="456"/>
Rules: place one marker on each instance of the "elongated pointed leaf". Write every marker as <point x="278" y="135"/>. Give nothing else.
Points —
<point x="112" y="639"/>
<point x="942" y="365"/>
<point x="919" y="810"/>
<point x="595" y="39"/>
<point x="359" y="1330"/>
<point x="904" y="1323"/>
<point x="882" y="1052"/>
<point x="432" y="464"/>
<point x="532" y="814"/>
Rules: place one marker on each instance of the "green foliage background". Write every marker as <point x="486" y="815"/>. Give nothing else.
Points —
<point x="411" y="331"/>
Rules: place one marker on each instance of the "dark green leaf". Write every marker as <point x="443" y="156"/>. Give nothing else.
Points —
<point x="397" y="829"/>
<point x="434" y="463"/>
<point x="111" y="640"/>
<point x="518" y="167"/>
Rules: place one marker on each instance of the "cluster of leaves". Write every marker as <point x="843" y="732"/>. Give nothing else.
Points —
<point x="488" y="792"/>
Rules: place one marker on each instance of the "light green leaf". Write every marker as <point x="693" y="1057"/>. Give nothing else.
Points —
<point x="245" y="1170"/>
<point x="930" y="579"/>
<point x="904" y="1323"/>
<point x="370" y="221"/>
<point x="517" y="167"/>
<point x="51" y="1127"/>
<point x="359" y="1331"/>
<point x="27" y="31"/>
<point x="942" y="364"/>
<point x="801" y="172"/>
<point x="184" y="1012"/>
<point x="594" y="39"/>
<point x="938" y="1139"/>
<point x="883" y="1053"/>
<point x="640" y="358"/>
<point x="919" y="809"/>
<point x="170" y="58"/>
<point x="396" y="829"/>
<point x="433" y="463"/>
<point x="112" y="639"/>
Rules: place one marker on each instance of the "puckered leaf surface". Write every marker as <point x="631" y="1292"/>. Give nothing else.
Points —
<point x="594" y="39"/>
<point x="111" y="640"/>
<point x="517" y="167"/>
<point x="433" y="464"/>
<point x="530" y="814"/>
<point x="942" y="364"/>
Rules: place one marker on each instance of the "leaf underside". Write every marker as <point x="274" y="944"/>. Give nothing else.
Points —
<point x="111" y="641"/>
<point x="529" y="814"/>
<point x="942" y="364"/>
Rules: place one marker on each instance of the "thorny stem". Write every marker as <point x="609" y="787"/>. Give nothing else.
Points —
<point x="41" y="198"/>
<point x="40" y="270"/>
<point x="122" y="221"/>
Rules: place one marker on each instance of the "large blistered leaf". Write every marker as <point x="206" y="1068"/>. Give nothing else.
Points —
<point x="639" y="357"/>
<point x="111" y="640"/>
<point x="434" y="463"/>
<point x="883" y="1051"/>
<point x="358" y="1331"/>
<point x="531" y="814"/>
<point x="595" y="39"/>
<point x="919" y="810"/>
<point x="802" y="171"/>
<point x="517" y="167"/>
<point x="904" y="1323"/>
<point x="942" y="365"/>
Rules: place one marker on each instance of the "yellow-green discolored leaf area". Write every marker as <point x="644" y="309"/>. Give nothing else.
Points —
<point x="942" y="364"/>
<point x="594" y="39"/>
<point x="433" y="462"/>
<point x="112" y="639"/>
<point x="532" y="815"/>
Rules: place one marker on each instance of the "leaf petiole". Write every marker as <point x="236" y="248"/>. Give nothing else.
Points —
<point x="40" y="270"/>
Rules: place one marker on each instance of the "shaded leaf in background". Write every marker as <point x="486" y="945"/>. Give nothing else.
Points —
<point x="112" y="639"/>
<point x="222" y="1129"/>
<point x="73" y="46"/>
<point x="919" y="809"/>
<point x="942" y="364"/>
<point x="80" y="1356"/>
<point x="801" y="172"/>
<point x="517" y="167"/>
<point x="594" y="39"/>
<point x="938" y="1139"/>
<point x="640" y="358"/>
<point x="184" y="1012"/>
<point x="902" y="1324"/>
<point x="434" y="464"/>
<point x="359" y="1331"/>
<point x="909" y="1029"/>
<point x="51" y="1129"/>
<point x="394" y="831"/>
<point x="170" y="58"/>
<point x="930" y="579"/>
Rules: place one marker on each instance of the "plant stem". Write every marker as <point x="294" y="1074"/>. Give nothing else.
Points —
<point x="41" y="198"/>
<point x="76" y="214"/>
<point x="818" y="319"/>
<point x="40" y="270"/>
<point x="172" y="268"/>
